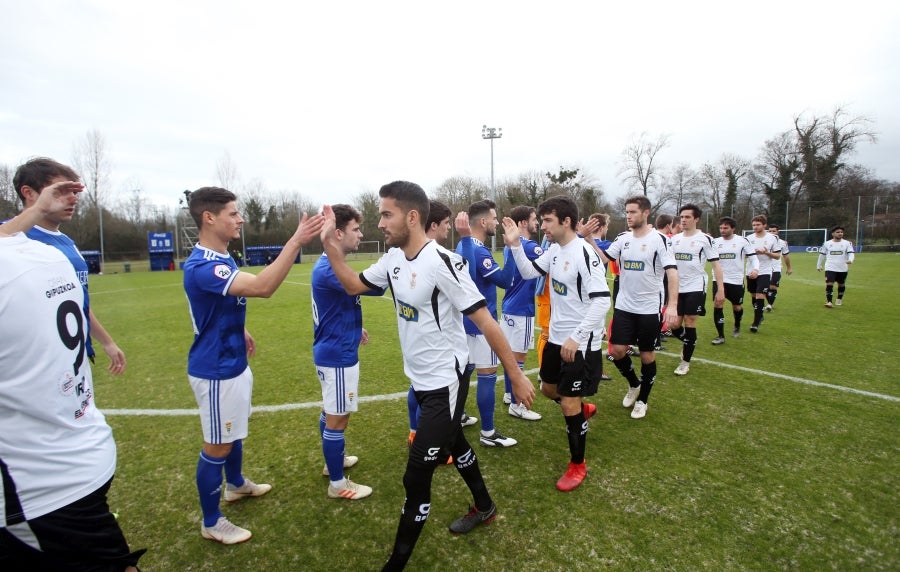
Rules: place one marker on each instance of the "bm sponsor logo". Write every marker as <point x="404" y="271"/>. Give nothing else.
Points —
<point x="727" y="255"/>
<point x="407" y="312"/>
<point x="632" y="265"/>
<point x="684" y="256"/>
<point x="560" y="288"/>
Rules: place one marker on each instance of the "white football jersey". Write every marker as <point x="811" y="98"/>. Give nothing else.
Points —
<point x="732" y="255"/>
<point x="782" y="247"/>
<point x="55" y="444"/>
<point x="691" y="254"/>
<point x="836" y="255"/>
<point x="642" y="266"/>
<point x="577" y="276"/>
<point x="430" y="293"/>
<point x="770" y="243"/>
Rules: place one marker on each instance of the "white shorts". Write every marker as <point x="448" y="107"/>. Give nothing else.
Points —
<point x="340" y="389"/>
<point x="480" y="352"/>
<point x="224" y="406"/>
<point x="519" y="332"/>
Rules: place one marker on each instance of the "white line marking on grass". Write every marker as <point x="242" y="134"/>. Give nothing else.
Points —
<point x="789" y="378"/>
<point x="401" y="395"/>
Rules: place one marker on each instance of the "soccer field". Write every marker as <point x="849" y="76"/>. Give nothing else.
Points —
<point x="778" y="451"/>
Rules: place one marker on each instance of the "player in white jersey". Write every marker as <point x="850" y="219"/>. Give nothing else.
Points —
<point x="692" y="250"/>
<point x="29" y="181"/>
<point x="57" y="453"/>
<point x="766" y="247"/>
<point x="734" y="252"/>
<point x="579" y="298"/>
<point x="777" y="264"/>
<point x="218" y="371"/>
<point x="437" y="228"/>
<point x="835" y="256"/>
<point x="644" y="257"/>
<point x="431" y="289"/>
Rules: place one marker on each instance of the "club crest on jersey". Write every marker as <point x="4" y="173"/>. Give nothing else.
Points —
<point x="407" y="312"/>
<point x="487" y="263"/>
<point x="560" y="288"/>
<point x="412" y="281"/>
<point x="632" y="265"/>
<point x="222" y="271"/>
<point x="538" y="250"/>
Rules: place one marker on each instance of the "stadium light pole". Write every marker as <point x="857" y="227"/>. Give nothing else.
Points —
<point x="492" y="133"/>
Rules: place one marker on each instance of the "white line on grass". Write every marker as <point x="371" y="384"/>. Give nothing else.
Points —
<point x="402" y="394"/>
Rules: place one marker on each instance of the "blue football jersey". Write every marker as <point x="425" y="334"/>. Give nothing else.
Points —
<point x="486" y="274"/>
<point x="337" y="318"/>
<point x="219" y="350"/>
<point x="519" y="297"/>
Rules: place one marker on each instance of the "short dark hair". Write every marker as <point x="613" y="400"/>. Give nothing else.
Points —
<point x="208" y="199"/>
<point x="695" y="210"/>
<point x="775" y="226"/>
<point x="480" y="208"/>
<point x="641" y="201"/>
<point x="343" y="214"/>
<point x="838" y="227"/>
<point x="562" y="206"/>
<point x="437" y="211"/>
<point x="409" y="197"/>
<point x="37" y="173"/>
<point x="521" y="213"/>
<point x="760" y="218"/>
<point x="727" y="220"/>
<point x="664" y="220"/>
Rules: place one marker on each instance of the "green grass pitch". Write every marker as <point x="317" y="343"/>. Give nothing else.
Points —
<point x="743" y="464"/>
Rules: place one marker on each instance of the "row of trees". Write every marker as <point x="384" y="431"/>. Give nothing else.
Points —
<point x="800" y="178"/>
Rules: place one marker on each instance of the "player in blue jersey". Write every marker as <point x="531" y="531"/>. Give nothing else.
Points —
<point x="475" y="226"/>
<point x="218" y="371"/>
<point x="517" y="307"/>
<point x="30" y="180"/>
<point x="337" y="334"/>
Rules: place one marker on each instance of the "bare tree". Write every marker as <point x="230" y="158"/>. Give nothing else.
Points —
<point x="226" y="174"/>
<point x="678" y="186"/>
<point x="367" y="204"/>
<point x="459" y="192"/>
<point x="638" y="169"/>
<point x="90" y="157"/>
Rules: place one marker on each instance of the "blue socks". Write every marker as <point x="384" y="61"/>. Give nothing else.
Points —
<point x="484" y="395"/>
<point x="209" y="486"/>
<point x="333" y="450"/>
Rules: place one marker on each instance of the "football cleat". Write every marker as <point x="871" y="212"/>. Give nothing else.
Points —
<point x="225" y="532"/>
<point x="639" y="411"/>
<point x="631" y="396"/>
<point x="736" y="333"/>
<point x="754" y="328"/>
<point x="472" y="519"/>
<point x="573" y="477"/>
<point x="839" y="302"/>
<point x="349" y="491"/>
<point x="507" y="398"/>
<point x="683" y="368"/>
<point x="248" y="489"/>
<point x="519" y="410"/>
<point x="350" y="460"/>
<point x="589" y="409"/>
<point x="828" y="304"/>
<point x="718" y="341"/>
<point x="467" y="420"/>
<point x="495" y="439"/>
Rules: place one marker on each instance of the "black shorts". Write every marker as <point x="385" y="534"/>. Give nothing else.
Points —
<point x="440" y="412"/>
<point x="579" y="378"/>
<point x="758" y="285"/>
<point x="692" y="304"/>
<point x="734" y="293"/>
<point x="775" y="280"/>
<point x="82" y="536"/>
<point x="630" y="329"/>
<point x="832" y="276"/>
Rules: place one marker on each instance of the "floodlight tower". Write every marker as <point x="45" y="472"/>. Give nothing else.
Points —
<point x="492" y="133"/>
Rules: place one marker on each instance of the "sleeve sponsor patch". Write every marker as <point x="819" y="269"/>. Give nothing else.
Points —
<point x="222" y="271"/>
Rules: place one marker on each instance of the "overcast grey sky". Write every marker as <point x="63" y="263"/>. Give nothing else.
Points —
<point x="342" y="97"/>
